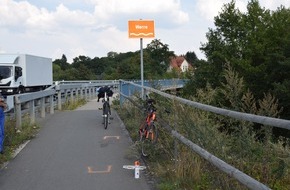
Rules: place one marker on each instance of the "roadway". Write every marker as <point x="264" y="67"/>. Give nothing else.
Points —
<point x="73" y="151"/>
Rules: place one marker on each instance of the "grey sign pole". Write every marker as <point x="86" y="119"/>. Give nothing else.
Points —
<point x="141" y="28"/>
<point x="142" y="72"/>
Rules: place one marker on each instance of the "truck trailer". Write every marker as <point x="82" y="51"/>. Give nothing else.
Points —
<point x="21" y="73"/>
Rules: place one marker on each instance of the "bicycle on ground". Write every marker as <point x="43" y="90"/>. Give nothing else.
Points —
<point x="148" y="133"/>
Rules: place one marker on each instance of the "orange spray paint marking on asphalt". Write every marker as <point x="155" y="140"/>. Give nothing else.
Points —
<point x="91" y="171"/>
<point x="116" y="137"/>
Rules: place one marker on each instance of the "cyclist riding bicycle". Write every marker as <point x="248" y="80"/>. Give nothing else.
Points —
<point x="101" y="94"/>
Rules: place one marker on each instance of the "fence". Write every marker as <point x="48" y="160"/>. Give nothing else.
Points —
<point x="166" y="84"/>
<point x="220" y="164"/>
<point x="53" y="98"/>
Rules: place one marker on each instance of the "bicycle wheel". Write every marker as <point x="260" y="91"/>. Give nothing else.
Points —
<point x="153" y="133"/>
<point x="106" y="110"/>
<point x="148" y="139"/>
<point x="106" y="121"/>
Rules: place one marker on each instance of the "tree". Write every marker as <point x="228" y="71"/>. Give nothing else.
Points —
<point x="202" y="77"/>
<point x="112" y="54"/>
<point x="81" y="60"/>
<point x="191" y="57"/>
<point x="160" y="56"/>
<point x="255" y="43"/>
<point x="57" y="72"/>
<point x="62" y="62"/>
<point x="83" y="73"/>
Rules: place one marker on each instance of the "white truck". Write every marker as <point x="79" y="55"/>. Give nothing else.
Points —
<point x="20" y="73"/>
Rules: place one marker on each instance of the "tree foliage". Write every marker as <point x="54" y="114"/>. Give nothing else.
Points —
<point x="160" y="57"/>
<point x="256" y="44"/>
<point x="117" y="65"/>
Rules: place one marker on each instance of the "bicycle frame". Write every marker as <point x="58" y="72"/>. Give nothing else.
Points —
<point x="150" y="119"/>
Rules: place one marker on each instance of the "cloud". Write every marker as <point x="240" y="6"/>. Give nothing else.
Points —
<point x="274" y="4"/>
<point x="77" y="31"/>
<point x="169" y="8"/>
<point x="96" y="27"/>
<point x="25" y="16"/>
<point x="211" y="8"/>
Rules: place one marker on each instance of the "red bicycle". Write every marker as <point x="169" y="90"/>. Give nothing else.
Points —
<point x="148" y="132"/>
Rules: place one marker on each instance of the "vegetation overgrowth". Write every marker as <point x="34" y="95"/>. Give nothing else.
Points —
<point x="252" y="151"/>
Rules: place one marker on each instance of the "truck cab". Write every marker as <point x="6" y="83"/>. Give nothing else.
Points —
<point x="10" y="75"/>
<point x="21" y="73"/>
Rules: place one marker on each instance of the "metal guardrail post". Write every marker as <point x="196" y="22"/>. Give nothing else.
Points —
<point x="32" y="111"/>
<point x="78" y="94"/>
<point x="71" y="95"/>
<point x="86" y="93"/>
<point x="120" y="91"/>
<point x="51" y="105"/>
<point x="95" y="92"/>
<point x="91" y="92"/>
<point x="65" y="94"/>
<point x="42" y="107"/>
<point x="59" y="100"/>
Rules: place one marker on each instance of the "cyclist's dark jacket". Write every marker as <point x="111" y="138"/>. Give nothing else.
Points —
<point x="102" y="91"/>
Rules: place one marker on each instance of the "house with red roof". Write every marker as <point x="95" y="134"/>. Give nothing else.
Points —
<point x="180" y="64"/>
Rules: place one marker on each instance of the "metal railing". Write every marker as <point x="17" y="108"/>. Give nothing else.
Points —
<point x="220" y="164"/>
<point x="53" y="98"/>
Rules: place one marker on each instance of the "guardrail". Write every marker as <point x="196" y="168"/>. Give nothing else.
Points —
<point x="166" y="84"/>
<point x="52" y="98"/>
<point x="220" y="164"/>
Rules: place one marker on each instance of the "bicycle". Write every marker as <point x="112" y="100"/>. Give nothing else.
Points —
<point x="148" y="133"/>
<point x="106" y="110"/>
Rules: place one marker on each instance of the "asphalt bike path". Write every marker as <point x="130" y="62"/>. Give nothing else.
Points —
<point x="73" y="151"/>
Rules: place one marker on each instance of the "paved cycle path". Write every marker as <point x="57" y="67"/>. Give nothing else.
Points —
<point x="73" y="151"/>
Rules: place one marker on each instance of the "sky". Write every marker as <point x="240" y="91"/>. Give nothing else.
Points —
<point x="51" y="28"/>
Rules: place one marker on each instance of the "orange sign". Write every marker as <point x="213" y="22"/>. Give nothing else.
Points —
<point x="141" y="29"/>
